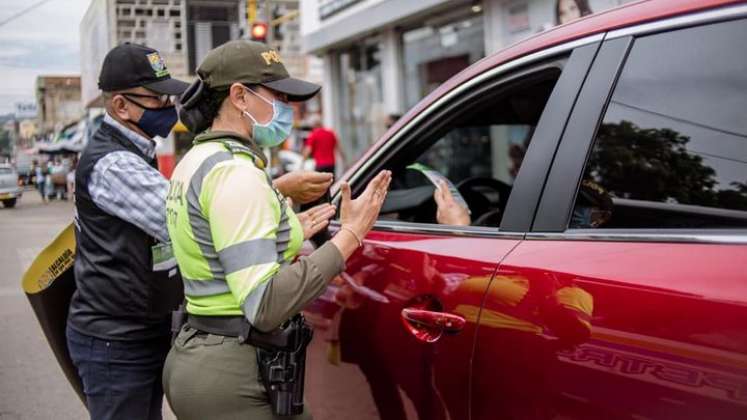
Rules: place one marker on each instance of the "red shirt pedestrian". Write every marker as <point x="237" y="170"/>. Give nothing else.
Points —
<point x="321" y="145"/>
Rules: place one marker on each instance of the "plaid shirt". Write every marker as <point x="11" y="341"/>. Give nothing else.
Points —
<point x="126" y="186"/>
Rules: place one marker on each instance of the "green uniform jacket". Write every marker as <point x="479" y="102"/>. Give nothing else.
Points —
<point x="235" y="239"/>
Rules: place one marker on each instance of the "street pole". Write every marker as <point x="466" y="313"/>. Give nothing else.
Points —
<point x="251" y="14"/>
<point x="268" y="15"/>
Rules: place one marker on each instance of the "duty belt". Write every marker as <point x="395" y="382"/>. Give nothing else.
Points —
<point x="282" y="339"/>
<point x="228" y="326"/>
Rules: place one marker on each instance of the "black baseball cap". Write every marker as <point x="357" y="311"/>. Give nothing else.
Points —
<point x="131" y="65"/>
<point x="252" y="63"/>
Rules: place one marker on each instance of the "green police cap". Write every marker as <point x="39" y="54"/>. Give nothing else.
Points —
<point x="252" y="63"/>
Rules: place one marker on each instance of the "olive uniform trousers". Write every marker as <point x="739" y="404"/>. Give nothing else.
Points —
<point x="212" y="377"/>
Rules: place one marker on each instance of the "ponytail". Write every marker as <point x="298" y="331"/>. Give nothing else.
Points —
<point x="199" y="105"/>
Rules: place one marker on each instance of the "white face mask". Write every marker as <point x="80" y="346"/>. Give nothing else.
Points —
<point x="274" y="132"/>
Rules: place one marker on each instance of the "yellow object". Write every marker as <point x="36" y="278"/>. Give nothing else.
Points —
<point x="333" y="352"/>
<point x="251" y="11"/>
<point x="55" y="259"/>
<point x="49" y="284"/>
<point x="180" y="128"/>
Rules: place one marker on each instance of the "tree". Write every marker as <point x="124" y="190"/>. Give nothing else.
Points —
<point x="654" y="165"/>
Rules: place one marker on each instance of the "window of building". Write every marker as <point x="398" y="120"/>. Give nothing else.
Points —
<point x="671" y="151"/>
<point x="209" y="26"/>
<point x="361" y="99"/>
<point x="440" y="49"/>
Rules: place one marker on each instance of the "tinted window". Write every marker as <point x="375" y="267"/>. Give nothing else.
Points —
<point x="672" y="149"/>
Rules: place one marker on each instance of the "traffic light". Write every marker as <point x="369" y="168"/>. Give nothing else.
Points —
<point x="259" y="32"/>
<point x="277" y="32"/>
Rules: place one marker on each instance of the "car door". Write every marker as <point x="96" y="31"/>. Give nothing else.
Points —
<point x="628" y="298"/>
<point x="395" y="332"/>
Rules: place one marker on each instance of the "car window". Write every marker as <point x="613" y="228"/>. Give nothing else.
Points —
<point x="479" y="152"/>
<point x="671" y="151"/>
<point x="5" y="171"/>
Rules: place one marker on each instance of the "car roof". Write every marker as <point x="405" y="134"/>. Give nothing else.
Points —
<point x="623" y="16"/>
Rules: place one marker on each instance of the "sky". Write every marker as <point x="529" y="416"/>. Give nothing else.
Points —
<point x="46" y="40"/>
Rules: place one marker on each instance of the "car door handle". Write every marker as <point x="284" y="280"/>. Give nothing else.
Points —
<point x="429" y="326"/>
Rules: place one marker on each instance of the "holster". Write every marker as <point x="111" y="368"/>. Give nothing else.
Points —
<point x="281" y="358"/>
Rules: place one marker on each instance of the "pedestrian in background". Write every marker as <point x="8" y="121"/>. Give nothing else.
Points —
<point x="48" y="183"/>
<point x="322" y="146"/>
<point x="118" y="329"/>
<point x="39" y="180"/>
<point x="70" y="179"/>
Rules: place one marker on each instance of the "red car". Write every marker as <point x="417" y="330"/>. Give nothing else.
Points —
<point x="604" y="272"/>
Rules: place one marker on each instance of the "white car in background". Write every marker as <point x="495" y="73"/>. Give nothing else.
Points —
<point x="10" y="192"/>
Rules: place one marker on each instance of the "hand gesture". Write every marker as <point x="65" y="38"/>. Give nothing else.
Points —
<point x="315" y="219"/>
<point x="450" y="212"/>
<point x="360" y="214"/>
<point x="304" y="186"/>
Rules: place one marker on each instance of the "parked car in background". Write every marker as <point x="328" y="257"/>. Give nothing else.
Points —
<point x="604" y="274"/>
<point x="10" y="191"/>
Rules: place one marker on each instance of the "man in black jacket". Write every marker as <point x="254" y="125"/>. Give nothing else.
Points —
<point x="118" y="327"/>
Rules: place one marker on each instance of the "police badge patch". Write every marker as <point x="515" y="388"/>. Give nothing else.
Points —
<point x="156" y="62"/>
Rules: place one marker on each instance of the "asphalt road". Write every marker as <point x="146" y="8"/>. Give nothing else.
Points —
<point x="32" y="385"/>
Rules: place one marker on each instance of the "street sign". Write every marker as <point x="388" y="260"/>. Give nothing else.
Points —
<point x="25" y="110"/>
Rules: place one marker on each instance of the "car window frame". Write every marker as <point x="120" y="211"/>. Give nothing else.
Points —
<point x="577" y="57"/>
<point x="559" y="195"/>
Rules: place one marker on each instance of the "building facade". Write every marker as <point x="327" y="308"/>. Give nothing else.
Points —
<point x="159" y="24"/>
<point x="183" y="31"/>
<point x="380" y="57"/>
<point x="58" y="100"/>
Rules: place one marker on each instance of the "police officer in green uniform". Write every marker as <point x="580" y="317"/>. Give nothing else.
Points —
<point x="236" y="238"/>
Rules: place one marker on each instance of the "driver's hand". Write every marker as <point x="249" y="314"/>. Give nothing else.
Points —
<point x="449" y="211"/>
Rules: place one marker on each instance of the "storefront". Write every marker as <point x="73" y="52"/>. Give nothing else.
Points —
<point x="383" y="56"/>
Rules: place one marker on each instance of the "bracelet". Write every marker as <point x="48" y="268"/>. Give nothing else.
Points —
<point x="355" y="235"/>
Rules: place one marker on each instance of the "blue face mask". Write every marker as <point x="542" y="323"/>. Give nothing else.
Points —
<point x="278" y="129"/>
<point x="158" y="121"/>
